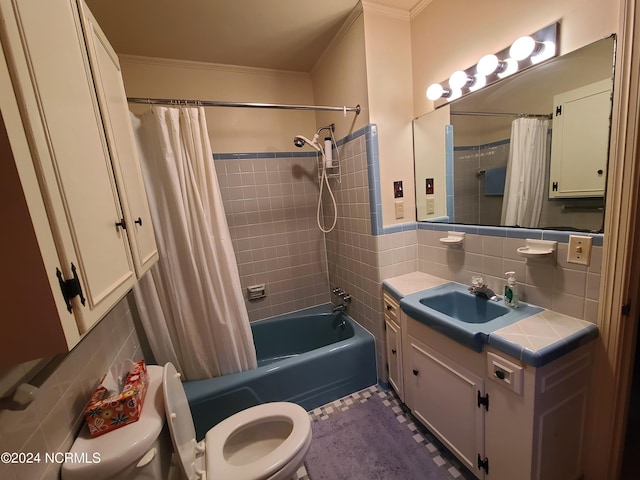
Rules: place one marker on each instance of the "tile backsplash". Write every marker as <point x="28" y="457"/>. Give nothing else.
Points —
<point x="550" y="283"/>
<point x="52" y="421"/>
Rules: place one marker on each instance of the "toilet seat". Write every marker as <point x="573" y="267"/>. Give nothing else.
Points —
<point x="260" y="443"/>
<point x="266" y="465"/>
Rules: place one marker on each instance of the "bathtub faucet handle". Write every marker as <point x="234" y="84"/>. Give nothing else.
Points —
<point x="338" y="291"/>
<point x="346" y="297"/>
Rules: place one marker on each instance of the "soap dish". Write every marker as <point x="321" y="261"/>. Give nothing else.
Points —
<point x="538" y="249"/>
<point x="453" y="238"/>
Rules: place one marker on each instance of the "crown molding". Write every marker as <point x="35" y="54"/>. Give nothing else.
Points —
<point x="391" y="12"/>
<point x="348" y="23"/>
<point x="220" y="67"/>
<point x="417" y="9"/>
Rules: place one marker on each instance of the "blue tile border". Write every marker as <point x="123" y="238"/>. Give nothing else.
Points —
<point x="261" y="155"/>
<point x="559" y="236"/>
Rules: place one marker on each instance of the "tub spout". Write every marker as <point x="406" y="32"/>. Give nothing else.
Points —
<point x="339" y="308"/>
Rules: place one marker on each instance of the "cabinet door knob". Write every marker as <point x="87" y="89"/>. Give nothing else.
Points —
<point x="389" y="307"/>
<point x="138" y="221"/>
<point x="415" y="372"/>
<point x="121" y="224"/>
<point x="393" y="351"/>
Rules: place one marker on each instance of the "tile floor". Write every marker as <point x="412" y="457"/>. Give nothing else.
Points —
<point x="449" y="465"/>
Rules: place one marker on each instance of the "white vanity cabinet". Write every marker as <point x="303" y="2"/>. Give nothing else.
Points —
<point x="79" y="166"/>
<point x="502" y="419"/>
<point x="444" y="388"/>
<point x="392" y="322"/>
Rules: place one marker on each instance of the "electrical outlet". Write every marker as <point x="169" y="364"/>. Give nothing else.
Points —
<point x="579" y="250"/>
<point x="399" y="209"/>
<point x="431" y="206"/>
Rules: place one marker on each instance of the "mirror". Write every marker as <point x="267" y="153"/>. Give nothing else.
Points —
<point x="467" y="184"/>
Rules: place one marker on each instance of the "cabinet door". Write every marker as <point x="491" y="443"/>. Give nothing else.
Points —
<point x="60" y="111"/>
<point x="580" y="141"/>
<point x="30" y="329"/>
<point x="394" y="357"/>
<point x="124" y="155"/>
<point x="445" y="399"/>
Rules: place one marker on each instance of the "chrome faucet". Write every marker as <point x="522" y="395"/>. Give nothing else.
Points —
<point x="339" y="308"/>
<point x="480" y="289"/>
<point x="344" y="296"/>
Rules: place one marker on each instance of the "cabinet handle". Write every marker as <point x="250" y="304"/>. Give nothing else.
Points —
<point x="389" y="307"/>
<point x="121" y="224"/>
<point x="138" y="221"/>
<point x="415" y="372"/>
<point x="393" y="351"/>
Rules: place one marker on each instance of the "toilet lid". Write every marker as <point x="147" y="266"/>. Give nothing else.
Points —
<point x="183" y="433"/>
<point x="264" y="467"/>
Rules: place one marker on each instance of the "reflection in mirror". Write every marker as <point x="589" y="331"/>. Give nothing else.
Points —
<point x="563" y="166"/>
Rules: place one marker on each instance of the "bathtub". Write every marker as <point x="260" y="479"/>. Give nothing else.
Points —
<point x="306" y="358"/>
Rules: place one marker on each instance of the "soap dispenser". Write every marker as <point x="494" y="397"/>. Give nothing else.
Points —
<point x="511" y="290"/>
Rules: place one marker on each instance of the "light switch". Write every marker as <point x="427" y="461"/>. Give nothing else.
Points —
<point x="431" y="205"/>
<point x="399" y="209"/>
<point x="579" y="250"/>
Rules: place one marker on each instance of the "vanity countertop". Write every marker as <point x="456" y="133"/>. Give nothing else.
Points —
<point x="535" y="340"/>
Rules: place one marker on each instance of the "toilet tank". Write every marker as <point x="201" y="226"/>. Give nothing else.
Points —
<point x="140" y="450"/>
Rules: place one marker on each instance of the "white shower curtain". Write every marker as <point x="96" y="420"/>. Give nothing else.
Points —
<point x="525" y="183"/>
<point x="190" y="303"/>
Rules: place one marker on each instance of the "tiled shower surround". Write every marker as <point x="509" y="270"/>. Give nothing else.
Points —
<point x="270" y="201"/>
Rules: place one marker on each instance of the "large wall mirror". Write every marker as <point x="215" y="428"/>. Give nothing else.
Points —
<point x="474" y="156"/>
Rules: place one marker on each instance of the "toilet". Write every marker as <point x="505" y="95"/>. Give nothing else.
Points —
<point x="268" y="441"/>
<point x="138" y="451"/>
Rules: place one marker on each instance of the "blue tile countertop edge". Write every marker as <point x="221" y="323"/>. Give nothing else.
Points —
<point x="475" y="339"/>
<point x="547" y="354"/>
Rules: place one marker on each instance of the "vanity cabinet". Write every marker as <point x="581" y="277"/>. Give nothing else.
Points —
<point x="501" y="418"/>
<point x="76" y="172"/>
<point x="392" y="315"/>
<point x="444" y="397"/>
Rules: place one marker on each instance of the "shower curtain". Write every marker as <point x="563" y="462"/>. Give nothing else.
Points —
<point x="525" y="183"/>
<point x="190" y="303"/>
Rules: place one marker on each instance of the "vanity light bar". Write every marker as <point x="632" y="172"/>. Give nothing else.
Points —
<point x="523" y="53"/>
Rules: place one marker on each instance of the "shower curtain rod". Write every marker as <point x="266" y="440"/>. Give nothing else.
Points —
<point x="208" y="103"/>
<point x="519" y="115"/>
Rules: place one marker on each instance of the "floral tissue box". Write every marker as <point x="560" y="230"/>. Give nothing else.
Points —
<point x="105" y="414"/>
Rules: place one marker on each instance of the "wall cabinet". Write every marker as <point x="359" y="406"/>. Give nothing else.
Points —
<point x="501" y="418"/>
<point x="392" y="315"/>
<point x="580" y="141"/>
<point x="68" y="130"/>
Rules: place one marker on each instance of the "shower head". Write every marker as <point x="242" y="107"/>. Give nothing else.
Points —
<point x="300" y="140"/>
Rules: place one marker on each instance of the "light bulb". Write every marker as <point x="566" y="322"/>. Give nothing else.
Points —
<point x="480" y="81"/>
<point x="511" y="68"/>
<point x="522" y="48"/>
<point x="548" y="50"/>
<point x="435" y="91"/>
<point x="458" y="79"/>
<point x="487" y="65"/>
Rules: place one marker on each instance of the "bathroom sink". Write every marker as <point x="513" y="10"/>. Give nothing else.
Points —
<point x="466" y="318"/>
<point x="465" y="307"/>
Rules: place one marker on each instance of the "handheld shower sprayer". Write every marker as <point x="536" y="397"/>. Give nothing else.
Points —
<point x="299" y="141"/>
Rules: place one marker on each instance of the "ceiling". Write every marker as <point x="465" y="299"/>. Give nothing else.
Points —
<point x="276" y="34"/>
